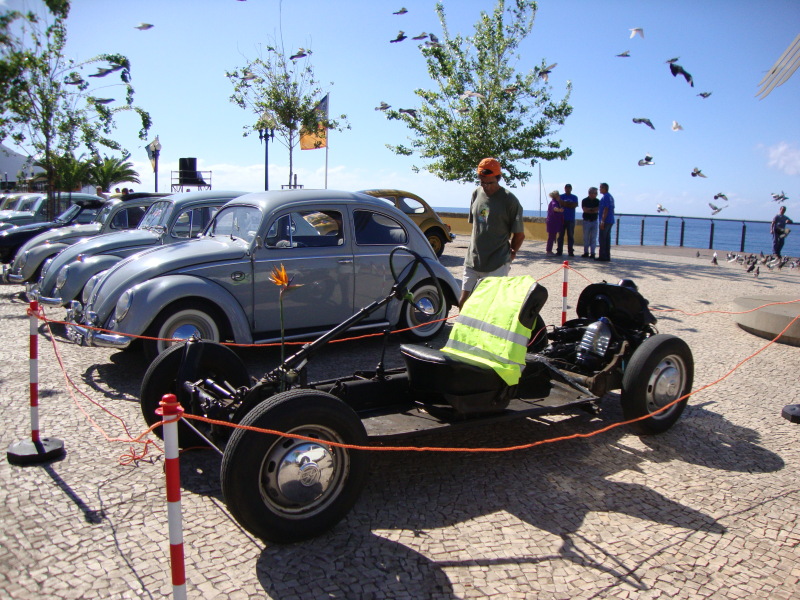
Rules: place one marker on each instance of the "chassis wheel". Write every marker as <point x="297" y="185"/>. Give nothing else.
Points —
<point x="284" y="489"/>
<point x="217" y="363"/>
<point x="660" y="371"/>
<point x="180" y="323"/>
<point x="424" y="295"/>
<point x="436" y="240"/>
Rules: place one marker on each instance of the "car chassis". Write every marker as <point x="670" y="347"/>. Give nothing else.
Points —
<point x="285" y="489"/>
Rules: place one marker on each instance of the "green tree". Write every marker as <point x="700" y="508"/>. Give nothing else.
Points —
<point x="282" y="93"/>
<point x="483" y="106"/>
<point x="49" y="108"/>
<point x="108" y="172"/>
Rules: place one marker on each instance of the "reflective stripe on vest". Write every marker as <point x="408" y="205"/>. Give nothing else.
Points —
<point x="488" y="331"/>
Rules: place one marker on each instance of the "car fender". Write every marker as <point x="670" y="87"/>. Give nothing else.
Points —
<point x="433" y="223"/>
<point x="450" y="287"/>
<point x="152" y="296"/>
<point x="79" y="273"/>
<point x="36" y="257"/>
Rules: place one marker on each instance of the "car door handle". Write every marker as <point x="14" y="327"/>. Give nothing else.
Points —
<point x="345" y="261"/>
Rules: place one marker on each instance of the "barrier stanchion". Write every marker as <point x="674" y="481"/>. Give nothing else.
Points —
<point x="564" y="293"/>
<point x="37" y="449"/>
<point x="171" y="411"/>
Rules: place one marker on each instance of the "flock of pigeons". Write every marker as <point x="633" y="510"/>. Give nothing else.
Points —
<point x="753" y="263"/>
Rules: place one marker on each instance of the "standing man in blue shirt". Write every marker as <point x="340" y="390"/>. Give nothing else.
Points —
<point x="569" y="202"/>
<point x="606" y="223"/>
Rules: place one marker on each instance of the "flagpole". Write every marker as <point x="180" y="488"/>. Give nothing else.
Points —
<point x="328" y="144"/>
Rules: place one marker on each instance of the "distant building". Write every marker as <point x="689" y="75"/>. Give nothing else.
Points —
<point x="11" y="165"/>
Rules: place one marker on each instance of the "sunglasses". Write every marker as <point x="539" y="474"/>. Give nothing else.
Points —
<point x="486" y="172"/>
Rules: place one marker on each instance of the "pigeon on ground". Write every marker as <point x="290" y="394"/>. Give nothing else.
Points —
<point x="625" y="54"/>
<point x="698" y="254"/>
<point x="402" y="11"/>
<point x="421" y="36"/>
<point x="676" y="69"/>
<point x="400" y="37"/>
<point x="661" y="209"/>
<point x="411" y="112"/>
<point x="714" y="259"/>
<point x="715" y="209"/>
<point x="780" y="197"/>
<point x="546" y="71"/>
<point x="697" y="172"/>
<point x="383" y="106"/>
<point x="758" y="272"/>
<point x="471" y="94"/>
<point x="676" y="126"/>
<point x="751" y="268"/>
<point x="720" y="195"/>
<point x="647" y="160"/>
<point x="704" y="94"/>
<point x="635" y="30"/>
<point x="644" y="121"/>
<point x="102" y="72"/>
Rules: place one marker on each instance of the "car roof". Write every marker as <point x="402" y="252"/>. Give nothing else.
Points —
<point x="273" y="200"/>
<point x="391" y="192"/>
<point x="206" y="195"/>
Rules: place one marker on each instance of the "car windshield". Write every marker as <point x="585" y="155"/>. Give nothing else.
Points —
<point x="11" y="203"/>
<point x="104" y="213"/>
<point x="28" y="203"/>
<point x="236" y="221"/>
<point x="69" y="214"/>
<point x="156" y="216"/>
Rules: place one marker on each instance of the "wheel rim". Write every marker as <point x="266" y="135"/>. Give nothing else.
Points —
<point x="299" y="478"/>
<point x="185" y="324"/>
<point x="436" y="243"/>
<point x="666" y="383"/>
<point x="426" y="298"/>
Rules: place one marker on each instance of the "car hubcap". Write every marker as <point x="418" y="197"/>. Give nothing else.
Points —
<point x="666" y="384"/>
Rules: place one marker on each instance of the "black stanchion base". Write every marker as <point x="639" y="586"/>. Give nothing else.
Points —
<point x="791" y="412"/>
<point x="28" y="452"/>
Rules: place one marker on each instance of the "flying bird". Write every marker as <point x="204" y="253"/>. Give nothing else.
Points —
<point x="676" y="126"/>
<point x="248" y="75"/>
<point x="143" y="26"/>
<point x="402" y="11"/>
<point x="471" y="94"/>
<point x="625" y="54"/>
<point x="102" y="72"/>
<point x="411" y="112"/>
<point x="697" y="172"/>
<point x="511" y="89"/>
<point x="421" y="36"/>
<point x="647" y="160"/>
<point x="383" y="106"/>
<point x="301" y="53"/>
<point x="704" y="94"/>
<point x="661" y="209"/>
<point x="635" y="30"/>
<point x="672" y="60"/>
<point x="720" y="195"/>
<point x="74" y="79"/>
<point x="102" y="100"/>
<point x="780" y="197"/>
<point x="715" y="209"/>
<point x="676" y="69"/>
<point x="546" y="71"/>
<point x="400" y="37"/>
<point x="434" y="39"/>
<point x="644" y="122"/>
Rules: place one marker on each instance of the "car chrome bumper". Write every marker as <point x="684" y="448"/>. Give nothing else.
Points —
<point x="13" y="278"/>
<point x="87" y="336"/>
<point x="54" y="301"/>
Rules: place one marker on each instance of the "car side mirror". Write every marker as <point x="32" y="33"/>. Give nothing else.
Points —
<point x="259" y="242"/>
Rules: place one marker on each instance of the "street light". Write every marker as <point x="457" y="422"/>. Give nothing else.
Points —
<point x="153" y="150"/>
<point x="266" y="135"/>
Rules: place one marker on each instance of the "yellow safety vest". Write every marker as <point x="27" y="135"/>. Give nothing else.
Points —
<point x="488" y="331"/>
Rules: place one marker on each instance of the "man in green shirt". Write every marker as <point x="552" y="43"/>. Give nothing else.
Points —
<point x="497" y="229"/>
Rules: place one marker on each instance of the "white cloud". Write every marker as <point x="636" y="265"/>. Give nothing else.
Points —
<point x="784" y="157"/>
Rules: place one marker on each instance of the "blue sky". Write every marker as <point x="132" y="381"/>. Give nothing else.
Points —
<point x="747" y="147"/>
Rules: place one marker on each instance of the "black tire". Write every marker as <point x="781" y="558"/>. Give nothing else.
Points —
<point x="660" y="371"/>
<point x="410" y="316"/>
<point x="274" y="486"/>
<point x="539" y="339"/>
<point x="181" y="321"/>
<point x="217" y="362"/>
<point x="437" y="240"/>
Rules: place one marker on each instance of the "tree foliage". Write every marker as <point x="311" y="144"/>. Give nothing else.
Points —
<point x="49" y="108"/>
<point x="108" y="172"/>
<point x="514" y="116"/>
<point x="281" y="91"/>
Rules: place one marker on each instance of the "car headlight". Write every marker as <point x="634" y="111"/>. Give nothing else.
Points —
<point x="123" y="305"/>
<point x="61" y="278"/>
<point x="89" y="287"/>
<point x="46" y="265"/>
<point x="23" y="260"/>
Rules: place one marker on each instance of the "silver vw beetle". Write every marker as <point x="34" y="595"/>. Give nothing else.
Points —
<point x="172" y="219"/>
<point x="334" y="246"/>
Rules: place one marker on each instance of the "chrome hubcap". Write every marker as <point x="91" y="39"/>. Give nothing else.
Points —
<point x="666" y="384"/>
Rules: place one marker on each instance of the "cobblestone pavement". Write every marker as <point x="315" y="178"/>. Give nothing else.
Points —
<point x="708" y="509"/>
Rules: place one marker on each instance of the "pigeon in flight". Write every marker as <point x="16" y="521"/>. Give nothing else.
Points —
<point x="780" y="197"/>
<point x="720" y="195"/>
<point x="74" y="79"/>
<point x="715" y="209"/>
<point x="102" y="100"/>
<point x="143" y="26"/>
<point x="625" y="54"/>
<point x="102" y="72"/>
<point x="697" y="172"/>
<point x="647" y="160"/>
<point x="704" y="94"/>
<point x="383" y="106"/>
<point x="661" y="209"/>
<point x="400" y="37"/>
<point x="644" y="122"/>
<point x="672" y="60"/>
<point x="402" y="11"/>
<point x="411" y="112"/>
<point x="471" y="94"/>
<point x="511" y="89"/>
<point x="635" y="30"/>
<point x="676" y="126"/>
<point x="421" y="36"/>
<point x="248" y="75"/>
<point x="546" y="71"/>
<point x="676" y="69"/>
<point x="301" y="53"/>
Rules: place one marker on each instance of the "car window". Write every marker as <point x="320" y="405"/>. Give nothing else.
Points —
<point x="128" y="218"/>
<point x="104" y="213"/>
<point x="375" y="228"/>
<point x="87" y="215"/>
<point x="410" y="206"/>
<point x="155" y="215"/>
<point x="27" y="203"/>
<point x="236" y="221"/>
<point x="192" y="221"/>
<point x="306" y="228"/>
<point x="69" y="213"/>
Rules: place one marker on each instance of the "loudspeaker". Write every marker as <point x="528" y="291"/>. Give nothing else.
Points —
<point x="187" y="171"/>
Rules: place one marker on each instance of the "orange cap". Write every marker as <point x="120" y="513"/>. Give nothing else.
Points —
<point x="489" y="166"/>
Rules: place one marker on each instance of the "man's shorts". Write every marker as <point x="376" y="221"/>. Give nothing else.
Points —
<point x="471" y="277"/>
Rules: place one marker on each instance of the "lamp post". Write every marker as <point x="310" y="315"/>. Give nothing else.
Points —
<point x="153" y="151"/>
<point x="266" y="135"/>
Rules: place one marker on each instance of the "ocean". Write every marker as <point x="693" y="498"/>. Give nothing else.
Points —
<point x="649" y="230"/>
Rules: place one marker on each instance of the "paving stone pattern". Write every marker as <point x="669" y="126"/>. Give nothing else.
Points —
<point x="707" y="510"/>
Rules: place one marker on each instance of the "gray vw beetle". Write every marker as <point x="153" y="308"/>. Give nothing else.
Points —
<point x="169" y="220"/>
<point x="334" y="245"/>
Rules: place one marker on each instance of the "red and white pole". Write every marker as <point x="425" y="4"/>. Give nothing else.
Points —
<point x="171" y="412"/>
<point x="37" y="449"/>
<point x="564" y="287"/>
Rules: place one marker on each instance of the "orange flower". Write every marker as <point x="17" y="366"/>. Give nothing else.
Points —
<point x="279" y="276"/>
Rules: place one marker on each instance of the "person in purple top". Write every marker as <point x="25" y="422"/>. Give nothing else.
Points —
<point x="606" y="223"/>
<point x="555" y="220"/>
<point x="569" y="202"/>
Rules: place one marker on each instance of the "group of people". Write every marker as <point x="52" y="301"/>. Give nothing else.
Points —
<point x="598" y="220"/>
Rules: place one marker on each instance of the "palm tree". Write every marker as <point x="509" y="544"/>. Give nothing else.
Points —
<point x="70" y="174"/>
<point x="108" y="172"/>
